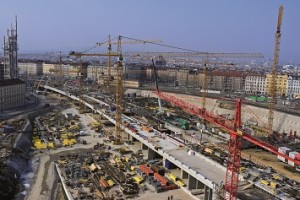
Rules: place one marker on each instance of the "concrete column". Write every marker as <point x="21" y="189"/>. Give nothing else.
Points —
<point x="151" y="154"/>
<point x="184" y="174"/>
<point x="129" y="137"/>
<point x="144" y="147"/>
<point x="192" y="182"/>
<point x="199" y="185"/>
<point x="208" y="193"/>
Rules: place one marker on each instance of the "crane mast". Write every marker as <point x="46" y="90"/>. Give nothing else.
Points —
<point x="81" y="105"/>
<point x="119" y="93"/>
<point x="109" y="59"/>
<point x="156" y="86"/>
<point x="204" y="84"/>
<point x="272" y="88"/>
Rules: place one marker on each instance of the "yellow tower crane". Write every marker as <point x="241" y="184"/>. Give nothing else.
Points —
<point x="119" y="78"/>
<point x="109" y="44"/>
<point x="272" y="88"/>
<point x="119" y="93"/>
<point x="79" y="56"/>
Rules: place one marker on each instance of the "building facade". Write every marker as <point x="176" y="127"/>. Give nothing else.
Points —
<point x="49" y="68"/>
<point x="95" y="71"/>
<point x="100" y="73"/>
<point x="293" y="86"/>
<point x="256" y="84"/>
<point x="12" y="93"/>
<point x="10" y="48"/>
<point x="281" y="85"/>
<point x="227" y="81"/>
<point x="1" y="71"/>
<point x="31" y="68"/>
<point x="126" y="83"/>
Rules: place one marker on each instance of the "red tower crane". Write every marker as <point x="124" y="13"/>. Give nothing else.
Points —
<point x="234" y="143"/>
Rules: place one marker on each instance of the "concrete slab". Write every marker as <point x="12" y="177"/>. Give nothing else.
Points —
<point x="211" y="171"/>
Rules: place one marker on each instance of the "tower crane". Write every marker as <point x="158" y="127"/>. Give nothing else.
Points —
<point x="80" y="55"/>
<point x="118" y="114"/>
<point x="156" y="87"/>
<point x="109" y="44"/>
<point x="234" y="127"/>
<point x="119" y="78"/>
<point x="272" y="102"/>
<point x="119" y="93"/>
<point x="234" y="143"/>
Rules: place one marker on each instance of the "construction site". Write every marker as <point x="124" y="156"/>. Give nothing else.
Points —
<point x="145" y="136"/>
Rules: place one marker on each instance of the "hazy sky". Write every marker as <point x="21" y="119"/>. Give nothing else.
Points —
<point x="211" y="25"/>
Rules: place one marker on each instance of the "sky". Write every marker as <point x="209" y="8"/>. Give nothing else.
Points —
<point x="203" y="25"/>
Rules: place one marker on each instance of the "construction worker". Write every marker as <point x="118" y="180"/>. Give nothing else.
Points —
<point x="168" y="198"/>
<point x="171" y="197"/>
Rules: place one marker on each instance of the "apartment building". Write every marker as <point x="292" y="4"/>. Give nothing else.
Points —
<point x="227" y="81"/>
<point x="255" y="84"/>
<point x="30" y="68"/>
<point x="293" y="86"/>
<point x="96" y="71"/>
<point x="281" y="84"/>
<point x="12" y="93"/>
<point x="73" y="70"/>
<point x="1" y="71"/>
<point x="50" y="68"/>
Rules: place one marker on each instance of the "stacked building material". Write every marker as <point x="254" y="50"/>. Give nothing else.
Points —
<point x="146" y="170"/>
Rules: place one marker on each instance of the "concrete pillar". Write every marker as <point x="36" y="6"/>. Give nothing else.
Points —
<point x="151" y="154"/>
<point x="184" y="174"/>
<point x="199" y="185"/>
<point x="192" y="182"/>
<point x="208" y="193"/>
<point x="144" y="147"/>
<point x="129" y="137"/>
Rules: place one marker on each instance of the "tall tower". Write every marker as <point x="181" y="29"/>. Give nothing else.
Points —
<point x="11" y="53"/>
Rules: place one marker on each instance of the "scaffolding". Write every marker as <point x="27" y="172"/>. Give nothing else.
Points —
<point x="10" y="48"/>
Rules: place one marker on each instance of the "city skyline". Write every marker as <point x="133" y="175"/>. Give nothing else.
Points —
<point x="215" y="26"/>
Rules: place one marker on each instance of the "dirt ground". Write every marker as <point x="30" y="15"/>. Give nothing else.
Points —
<point x="266" y="159"/>
<point x="177" y="195"/>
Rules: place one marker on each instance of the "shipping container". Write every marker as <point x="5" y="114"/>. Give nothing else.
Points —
<point x="293" y="155"/>
<point x="283" y="150"/>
